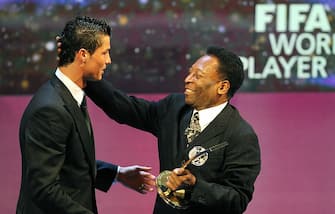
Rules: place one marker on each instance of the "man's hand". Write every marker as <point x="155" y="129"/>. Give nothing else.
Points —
<point x="180" y="177"/>
<point x="137" y="178"/>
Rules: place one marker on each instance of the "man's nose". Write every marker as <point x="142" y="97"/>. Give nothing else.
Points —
<point x="109" y="60"/>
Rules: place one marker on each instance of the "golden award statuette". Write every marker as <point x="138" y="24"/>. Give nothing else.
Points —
<point x="176" y="199"/>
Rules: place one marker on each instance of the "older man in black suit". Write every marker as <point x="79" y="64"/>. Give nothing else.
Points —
<point x="221" y="181"/>
<point x="59" y="170"/>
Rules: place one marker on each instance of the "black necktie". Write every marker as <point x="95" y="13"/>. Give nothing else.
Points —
<point x="83" y="108"/>
<point x="194" y="129"/>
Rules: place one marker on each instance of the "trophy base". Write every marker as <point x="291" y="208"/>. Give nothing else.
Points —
<point x="173" y="198"/>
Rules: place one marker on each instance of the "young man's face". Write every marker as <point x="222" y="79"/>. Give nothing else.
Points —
<point x="98" y="61"/>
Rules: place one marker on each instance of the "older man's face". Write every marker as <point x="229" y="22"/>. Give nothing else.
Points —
<point x="202" y="82"/>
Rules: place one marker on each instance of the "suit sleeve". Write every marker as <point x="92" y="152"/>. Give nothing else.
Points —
<point x="124" y="109"/>
<point x="45" y="145"/>
<point x="233" y="188"/>
<point x="106" y="175"/>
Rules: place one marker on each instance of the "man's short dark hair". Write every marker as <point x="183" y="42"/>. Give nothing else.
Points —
<point x="230" y="68"/>
<point x="81" y="32"/>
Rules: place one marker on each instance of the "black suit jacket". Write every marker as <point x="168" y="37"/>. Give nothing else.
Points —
<point x="225" y="182"/>
<point x="59" y="171"/>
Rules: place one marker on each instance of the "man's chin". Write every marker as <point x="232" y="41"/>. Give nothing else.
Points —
<point x="94" y="79"/>
<point x="188" y="101"/>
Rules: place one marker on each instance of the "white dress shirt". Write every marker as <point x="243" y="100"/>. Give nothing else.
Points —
<point x="206" y="116"/>
<point x="75" y="90"/>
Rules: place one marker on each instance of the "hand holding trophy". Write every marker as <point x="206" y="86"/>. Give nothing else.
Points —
<point x="176" y="198"/>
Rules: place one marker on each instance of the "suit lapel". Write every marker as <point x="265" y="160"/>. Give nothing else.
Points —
<point x="71" y="105"/>
<point x="217" y="126"/>
<point x="185" y="117"/>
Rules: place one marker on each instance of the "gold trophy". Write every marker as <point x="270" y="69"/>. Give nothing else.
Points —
<point x="176" y="199"/>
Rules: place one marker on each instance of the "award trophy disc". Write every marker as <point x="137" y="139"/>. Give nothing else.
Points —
<point x="176" y="199"/>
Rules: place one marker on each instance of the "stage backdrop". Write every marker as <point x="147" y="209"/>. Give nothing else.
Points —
<point x="296" y="135"/>
<point x="284" y="45"/>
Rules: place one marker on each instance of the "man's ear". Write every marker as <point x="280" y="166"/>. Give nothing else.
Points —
<point x="83" y="55"/>
<point x="224" y="87"/>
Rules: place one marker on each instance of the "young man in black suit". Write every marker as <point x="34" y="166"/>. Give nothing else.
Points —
<point x="221" y="181"/>
<point x="59" y="170"/>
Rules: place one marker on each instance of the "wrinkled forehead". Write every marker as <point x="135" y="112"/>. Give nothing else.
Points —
<point x="206" y="62"/>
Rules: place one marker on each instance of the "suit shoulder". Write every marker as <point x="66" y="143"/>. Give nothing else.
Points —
<point x="241" y="123"/>
<point x="47" y="94"/>
<point x="174" y="99"/>
<point x="172" y="102"/>
<point x="46" y="97"/>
